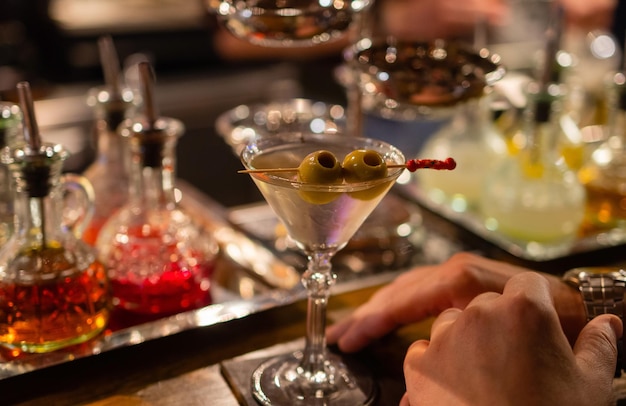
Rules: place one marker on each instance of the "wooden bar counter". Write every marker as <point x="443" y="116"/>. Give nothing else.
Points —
<point x="184" y="369"/>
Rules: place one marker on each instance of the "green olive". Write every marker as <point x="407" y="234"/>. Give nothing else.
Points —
<point x="364" y="165"/>
<point x="320" y="168"/>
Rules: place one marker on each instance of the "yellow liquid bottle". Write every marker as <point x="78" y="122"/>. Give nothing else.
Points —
<point x="534" y="198"/>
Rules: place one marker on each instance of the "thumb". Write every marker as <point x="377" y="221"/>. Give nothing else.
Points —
<point x="596" y="346"/>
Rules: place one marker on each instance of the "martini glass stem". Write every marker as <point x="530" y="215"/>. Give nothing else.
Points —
<point x="318" y="280"/>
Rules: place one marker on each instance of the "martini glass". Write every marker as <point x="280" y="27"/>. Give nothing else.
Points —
<point x="320" y="219"/>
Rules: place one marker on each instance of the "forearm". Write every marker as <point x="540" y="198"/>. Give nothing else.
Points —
<point x="230" y="48"/>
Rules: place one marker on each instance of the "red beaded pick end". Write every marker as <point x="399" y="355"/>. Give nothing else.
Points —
<point x="415" y="164"/>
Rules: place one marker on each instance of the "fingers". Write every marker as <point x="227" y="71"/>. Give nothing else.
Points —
<point x="450" y="316"/>
<point x="349" y="335"/>
<point x="530" y="288"/>
<point x="596" y="346"/>
<point x="441" y="323"/>
<point x="335" y="331"/>
<point x="530" y="284"/>
<point x="413" y="355"/>
<point x="357" y="332"/>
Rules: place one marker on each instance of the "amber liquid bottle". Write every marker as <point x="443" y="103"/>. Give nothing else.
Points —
<point x="604" y="177"/>
<point x="53" y="291"/>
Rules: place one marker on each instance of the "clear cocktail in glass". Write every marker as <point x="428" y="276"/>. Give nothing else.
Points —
<point x="321" y="215"/>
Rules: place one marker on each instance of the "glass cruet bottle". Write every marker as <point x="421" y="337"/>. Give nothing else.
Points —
<point x="475" y="143"/>
<point x="160" y="261"/>
<point x="535" y="198"/>
<point x="53" y="291"/>
<point x="604" y="176"/>
<point x="111" y="104"/>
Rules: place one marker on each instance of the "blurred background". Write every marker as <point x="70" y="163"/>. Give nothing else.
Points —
<point x="53" y="45"/>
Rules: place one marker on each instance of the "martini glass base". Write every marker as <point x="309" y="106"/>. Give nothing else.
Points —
<point x="278" y="381"/>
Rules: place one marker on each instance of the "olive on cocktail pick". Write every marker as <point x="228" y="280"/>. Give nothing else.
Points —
<point x="411" y="165"/>
<point x="319" y="167"/>
<point x="362" y="165"/>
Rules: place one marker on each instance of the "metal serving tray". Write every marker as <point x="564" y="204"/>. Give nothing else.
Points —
<point x="251" y="276"/>
<point x="248" y="279"/>
<point x="586" y="245"/>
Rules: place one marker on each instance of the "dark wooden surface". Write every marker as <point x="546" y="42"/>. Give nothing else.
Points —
<point x="184" y="369"/>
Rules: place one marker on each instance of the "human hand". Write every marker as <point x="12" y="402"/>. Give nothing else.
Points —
<point x="426" y="20"/>
<point x="589" y="15"/>
<point x="426" y="291"/>
<point x="509" y="349"/>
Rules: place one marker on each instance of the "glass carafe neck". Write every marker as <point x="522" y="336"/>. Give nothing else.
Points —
<point x="38" y="201"/>
<point x="541" y="124"/>
<point x="111" y="108"/>
<point x="37" y="220"/>
<point x="153" y="163"/>
<point x="152" y="186"/>
<point x="110" y="148"/>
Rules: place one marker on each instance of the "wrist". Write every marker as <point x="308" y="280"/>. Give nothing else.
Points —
<point x="602" y="291"/>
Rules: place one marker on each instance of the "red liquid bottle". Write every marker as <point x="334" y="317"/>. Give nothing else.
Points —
<point x="53" y="291"/>
<point x="160" y="262"/>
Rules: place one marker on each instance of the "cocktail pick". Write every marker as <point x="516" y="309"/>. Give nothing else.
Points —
<point x="412" y="165"/>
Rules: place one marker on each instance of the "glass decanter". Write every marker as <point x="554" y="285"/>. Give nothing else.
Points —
<point x="109" y="172"/>
<point x="604" y="176"/>
<point x="160" y="261"/>
<point x="477" y="146"/>
<point x="535" y="198"/>
<point x="111" y="104"/>
<point x="53" y="291"/>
